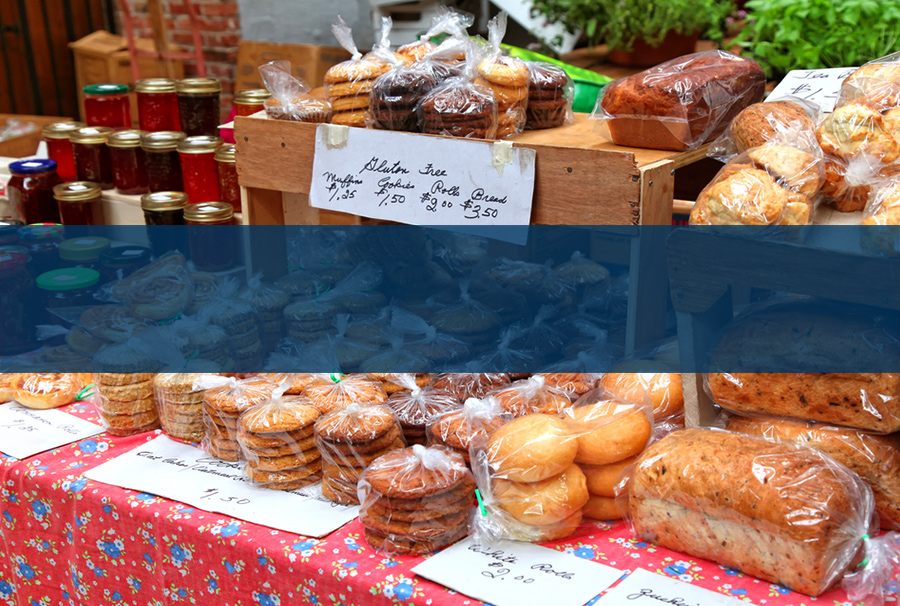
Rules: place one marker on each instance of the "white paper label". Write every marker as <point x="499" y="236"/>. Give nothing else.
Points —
<point x="511" y="573"/>
<point x="819" y="86"/>
<point x="25" y="431"/>
<point x="184" y="473"/>
<point x="422" y="180"/>
<point x="643" y="588"/>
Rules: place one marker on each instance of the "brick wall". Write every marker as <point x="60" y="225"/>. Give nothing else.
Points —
<point x="220" y="31"/>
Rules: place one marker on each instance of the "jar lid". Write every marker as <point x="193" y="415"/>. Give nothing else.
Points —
<point x="253" y="96"/>
<point x="161" y="140"/>
<point x="226" y="153"/>
<point x="61" y="130"/>
<point x="202" y="144"/>
<point x="41" y="231"/>
<point x="11" y="260"/>
<point x="90" y="134"/>
<point x="198" y="85"/>
<point x="32" y="167"/>
<point x="87" y="248"/>
<point x="208" y="212"/>
<point x="69" y="278"/>
<point x="164" y="200"/>
<point x="17" y="249"/>
<point x="125" y="255"/>
<point x="76" y="191"/>
<point x="105" y="89"/>
<point x="125" y="138"/>
<point x="154" y="85"/>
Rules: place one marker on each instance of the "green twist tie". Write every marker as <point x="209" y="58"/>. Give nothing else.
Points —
<point x="293" y="267"/>
<point x="337" y="380"/>
<point x="322" y="292"/>
<point x="866" y="559"/>
<point x="480" y="503"/>
<point x="194" y="355"/>
<point x="170" y="320"/>
<point x="82" y="396"/>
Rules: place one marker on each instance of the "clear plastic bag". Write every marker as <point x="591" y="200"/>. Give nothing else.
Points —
<point x="550" y="95"/>
<point x="459" y="427"/>
<point x="394" y="358"/>
<point x="416" y="500"/>
<point x="111" y="323"/>
<point x="877" y="83"/>
<point x="423" y="340"/>
<point x="290" y="98"/>
<point x="335" y="391"/>
<point x="239" y="319"/>
<point x="446" y="21"/>
<point x="347" y="84"/>
<point x="471" y="385"/>
<point x="180" y="405"/>
<point x="507" y="356"/>
<point x="416" y="407"/>
<point x="396" y="94"/>
<point x="44" y="390"/>
<point x="159" y="291"/>
<point x="530" y="396"/>
<point x="580" y="271"/>
<point x="540" y="336"/>
<point x="210" y="342"/>
<point x="508" y="78"/>
<point x="663" y="389"/>
<point x="679" y="104"/>
<point x="469" y="320"/>
<point x="791" y="121"/>
<point x="881" y="231"/>
<point x="126" y="403"/>
<point x="349" y="353"/>
<point x="224" y="400"/>
<point x="575" y="384"/>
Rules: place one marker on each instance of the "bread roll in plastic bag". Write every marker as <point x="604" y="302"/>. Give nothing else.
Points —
<point x="789" y="120"/>
<point x="877" y="83"/>
<point x="662" y="389"/>
<point x="224" y="400"/>
<point x="334" y="391"/>
<point x="416" y="407"/>
<point x="290" y="98"/>
<point x="530" y="396"/>
<point x="45" y="390"/>
<point x="347" y="84"/>
<point x="881" y="224"/>
<point x="550" y="95"/>
<point x="158" y="291"/>
<point x="470" y="385"/>
<point x="458" y="427"/>
<point x="508" y="77"/>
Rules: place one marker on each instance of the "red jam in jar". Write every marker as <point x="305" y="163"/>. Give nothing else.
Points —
<point x="30" y="191"/>
<point x="79" y="203"/>
<point x="229" y="188"/>
<point x="128" y="162"/>
<point x="157" y="104"/>
<point x="92" y="155"/>
<point x="213" y="245"/>
<point x="198" y="106"/>
<point x="59" y="147"/>
<point x="198" y="168"/>
<point x="248" y="102"/>
<point x="107" y="105"/>
<point x="162" y="161"/>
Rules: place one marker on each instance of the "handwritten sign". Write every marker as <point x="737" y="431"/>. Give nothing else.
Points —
<point x="25" y="431"/>
<point x="510" y="573"/>
<point x="184" y="473"/>
<point x="421" y="180"/>
<point x="643" y="588"/>
<point x="819" y="86"/>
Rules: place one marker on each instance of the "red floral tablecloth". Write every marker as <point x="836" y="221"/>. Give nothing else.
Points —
<point x="65" y="540"/>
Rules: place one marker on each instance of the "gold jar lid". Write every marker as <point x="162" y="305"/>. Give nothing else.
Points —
<point x="90" y="134"/>
<point x="198" y="86"/>
<point x="208" y="212"/>
<point x="163" y="140"/>
<point x="253" y="96"/>
<point x="202" y="144"/>
<point x="226" y="153"/>
<point x="61" y="130"/>
<point x="76" y="191"/>
<point x="154" y="85"/>
<point x="164" y="200"/>
<point x="125" y="138"/>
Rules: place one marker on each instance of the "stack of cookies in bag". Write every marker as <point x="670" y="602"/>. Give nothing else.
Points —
<point x="223" y="406"/>
<point x="127" y="405"/>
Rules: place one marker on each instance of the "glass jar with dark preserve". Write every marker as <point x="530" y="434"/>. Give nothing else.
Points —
<point x="92" y="155"/>
<point x="226" y="169"/>
<point x="212" y="241"/>
<point x="164" y="216"/>
<point x="248" y="102"/>
<point x="129" y="170"/>
<point x="162" y="161"/>
<point x="83" y="252"/>
<point x="30" y="190"/>
<point x="18" y="300"/>
<point x="68" y="287"/>
<point x="198" y="168"/>
<point x="59" y="147"/>
<point x="107" y="105"/>
<point x="121" y="261"/>
<point x="42" y="242"/>
<point x="157" y="104"/>
<point x="79" y="203"/>
<point x="198" y="106"/>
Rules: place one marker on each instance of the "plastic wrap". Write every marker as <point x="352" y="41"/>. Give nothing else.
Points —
<point x="209" y="341"/>
<point x="459" y="427"/>
<point x="423" y="340"/>
<point x="277" y="440"/>
<point x="579" y="271"/>
<point x="180" y="405"/>
<point x="268" y="301"/>
<point x="224" y="400"/>
<point x="158" y="291"/>
<point x="394" y="358"/>
<point x="290" y="98"/>
<point x="238" y="318"/>
<point x="791" y="121"/>
<point x="446" y="21"/>
<point x="396" y="94"/>
<point x="416" y="500"/>
<point x="126" y="403"/>
<point x="44" y="390"/>
<point x="349" y="439"/>
<point x="877" y="83"/>
<point x="881" y="234"/>
<point x="470" y="385"/>
<point x="508" y="78"/>
<point x="348" y="84"/>
<point x="530" y="396"/>
<point x="661" y="389"/>
<point x="784" y="514"/>
<point x="349" y="353"/>
<point x="550" y="95"/>
<point x="110" y="323"/>
<point x="575" y="384"/>
<point x="332" y="392"/>
<point x="540" y="336"/>
<point x="679" y="104"/>
<point x="468" y="320"/>
<point x="416" y="407"/>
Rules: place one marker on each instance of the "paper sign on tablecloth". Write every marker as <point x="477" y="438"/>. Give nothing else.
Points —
<point x="184" y="473"/>
<point x="25" y="431"/>
<point x="511" y="573"/>
<point x="820" y="86"/>
<point x="643" y="588"/>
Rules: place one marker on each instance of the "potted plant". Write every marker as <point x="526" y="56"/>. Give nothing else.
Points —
<point x="640" y="33"/>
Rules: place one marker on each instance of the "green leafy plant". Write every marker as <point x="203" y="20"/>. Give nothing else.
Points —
<point x="619" y="23"/>
<point x="810" y="34"/>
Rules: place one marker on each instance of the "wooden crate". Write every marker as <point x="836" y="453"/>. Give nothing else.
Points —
<point x="27" y="144"/>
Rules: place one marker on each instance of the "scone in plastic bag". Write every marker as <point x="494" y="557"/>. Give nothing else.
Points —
<point x="877" y="83"/>
<point x="290" y="98"/>
<point x="457" y="428"/>
<point x="416" y="500"/>
<point x="789" y="120"/>
<point x="224" y="400"/>
<point x="416" y="407"/>
<point x="550" y="94"/>
<point x="329" y="392"/>
<point x="881" y="225"/>
<point x="508" y="78"/>
<point x="347" y="84"/>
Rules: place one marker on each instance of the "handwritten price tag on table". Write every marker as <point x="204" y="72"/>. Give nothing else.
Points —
<point x="517" y="574"/>
<point x="25" y="432"/>
<point x="819" y="86"/>
<point x="643" y="588"/>
<point x="187" y="474"/>
<point x="421" y="180"/>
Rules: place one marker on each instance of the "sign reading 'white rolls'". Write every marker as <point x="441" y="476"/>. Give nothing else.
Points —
<point x="25" y="432"/>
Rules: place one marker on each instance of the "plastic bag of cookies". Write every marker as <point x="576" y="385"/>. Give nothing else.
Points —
<point x="334" y="391"/>
<point x="396" y="94"/>
<point x="416" y="500"/>
<point x="446" y="21"/>
<point x="550" y="95"/>
<point x="126" y="403"/>
<point x="290" y="98"/>
<point x="180" y="405"/>
<point x="881" y="225"/>
<point x="349" y="353"/>
<point x="224" y="400"/>
<point x="459" y="427"/>
<point x="508" y="355"/>
<point x="471" y="385"/>
<point x="348" y="84"/>
<point x="417" y="406"/>
<point x="575" y="384"/>
<point x="529" y="396"/>
<point x="206" y="287"/>
<point x="268" y="301"/>
<point x="394" y="357"/>
<point x="469" y="320"/>
<point x="44" y="390"/>
<point x="423" y="340"/>
<point x="508" y="78"/>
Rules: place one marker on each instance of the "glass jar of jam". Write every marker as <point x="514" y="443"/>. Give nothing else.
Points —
<point x="107" y="105"/>
<point x="229" y="188"/>
<point x="198" y="168"/>
<point x="82" y="252"/>
<point x="157" y="104"/>
<point x="92" y="155"/>
<point x="129" y="170"/>
<point x="68" y="287"/>
<point x="30" y="190"/>
<point x="9" y="234"/>
<point x="79" y="203"/>
<point x="213" y="244"/>
<point x="163" y="163"/>
<point x="59" y="147"/>
<point x="248" y="102"/>
<point x="198" y="106"/>
<point x="121" y="261"/>
<point x="42" y="242"/>
<point x="18" y="300"/>
<point x="164" y="216"/>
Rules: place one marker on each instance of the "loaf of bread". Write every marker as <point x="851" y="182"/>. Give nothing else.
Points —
<point x="682" y="103"/>
<point x="784" y="514"/>
<point x="876" y="459"/>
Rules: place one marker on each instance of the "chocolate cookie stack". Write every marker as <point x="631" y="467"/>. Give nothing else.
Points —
<point x="547" y="103"/>
<point x="222" y="406"/>
<point x="127" y="405"/>
<point x="459" y="110"/>
<point x="180" y="406"/>
<point x="416" y="500"/>
<point x="349" y="440"/>
<point x="395" y="96"/>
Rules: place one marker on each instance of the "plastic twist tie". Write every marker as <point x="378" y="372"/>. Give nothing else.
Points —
<point x="83" y="396"/>
<point x="481" y="506"/>
<point x="865" y="561"/>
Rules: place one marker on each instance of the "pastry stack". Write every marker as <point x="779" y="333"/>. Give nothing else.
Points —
<point x="223" y="406"/>
<point x="349" y="439"/>
<point x="508" y="78"/>
<point x="416" y="500"/>
<point x="180" y="406"/>
<point x="347" y="88"/>
<point x="547" y="103"/>
<point x="126" y="405"/>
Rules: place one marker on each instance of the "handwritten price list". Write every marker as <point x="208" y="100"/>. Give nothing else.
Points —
<point x="819" y="86"/>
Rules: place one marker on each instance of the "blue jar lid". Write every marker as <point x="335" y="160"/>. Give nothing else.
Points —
<point x="32" y="167"/>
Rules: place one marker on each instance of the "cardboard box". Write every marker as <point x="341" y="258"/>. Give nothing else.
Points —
<point x="27" y="144"/>
<point x="308" y="62"/>
<point x="103" y="57"/>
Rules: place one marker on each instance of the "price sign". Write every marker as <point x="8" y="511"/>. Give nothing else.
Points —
<point x="510" y="573"/>
<point x="643" y="588"/>
<point x="421" y="180"/>
<point x="819" y="86"/>
<point x="187" y="474"/>
<point x="25" y="431"/>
